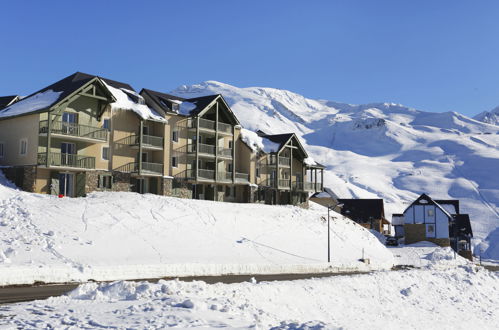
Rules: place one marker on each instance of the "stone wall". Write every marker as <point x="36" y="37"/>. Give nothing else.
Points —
<point x="181" y="189"/>
<point x="414" y="233"/>
<point x="166" y="187"/>
<point x="417" y="233"/>
<point x="24" y="177"/>
<point x="121" y="181"/>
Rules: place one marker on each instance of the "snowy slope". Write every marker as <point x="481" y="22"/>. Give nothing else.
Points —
<point x="489" y="117"/>
<point x="384" y="150"/>
<point x="459" y="298"/>
<point x="110" y="236"/>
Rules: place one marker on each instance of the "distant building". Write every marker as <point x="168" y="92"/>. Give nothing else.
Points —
<point x="369" y="213"/>
<point x="440" y="222"/>
<point x="398" y="225"/>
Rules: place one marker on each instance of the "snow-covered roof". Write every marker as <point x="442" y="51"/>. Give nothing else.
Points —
<point x="30" y="104"/>
<point x="310" y="161"/>
<point x="256" y="142"/>
<point x="124" y="102"/>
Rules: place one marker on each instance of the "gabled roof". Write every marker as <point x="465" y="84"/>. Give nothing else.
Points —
<point x="53" y="95"/>
<point x="8" y="100"/>
<point x="428" y="199"/>
<point x="362" y="210"/>
<point x="187" y="107"/>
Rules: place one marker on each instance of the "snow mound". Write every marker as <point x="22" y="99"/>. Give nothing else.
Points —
<point x="422" y="299"/>
<point x="117" y="236"/>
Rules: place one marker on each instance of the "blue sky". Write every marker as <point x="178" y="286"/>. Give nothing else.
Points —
<point x="432" y="55"/>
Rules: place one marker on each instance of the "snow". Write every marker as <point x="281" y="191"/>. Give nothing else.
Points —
<point x="489" y="117"/>
<point x="33" y="103"/>
<point x="124" y="102"/>
<point x="383" y="150"/>
<point x="251" y="139"/>
<point x="310" y="161"/>
<point x="256" y="142"/>
<point x="431" y="298"/>
<point x="113" y="236"/>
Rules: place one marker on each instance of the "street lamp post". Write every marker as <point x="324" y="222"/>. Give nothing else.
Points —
<point x="329" y="207"/>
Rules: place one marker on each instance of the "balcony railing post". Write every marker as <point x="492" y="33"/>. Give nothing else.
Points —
<point x="49" y="126"/>
<point x="141" y="133"/>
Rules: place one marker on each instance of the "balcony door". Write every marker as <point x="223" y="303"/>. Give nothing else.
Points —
<point x="66" y="184"/>
<point x="70" y="123"/>
<point x="68" y="154"/>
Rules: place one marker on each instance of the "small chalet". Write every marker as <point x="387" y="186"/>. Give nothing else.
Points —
<point x="440" y="222"/>
<point x="369" y="213"/>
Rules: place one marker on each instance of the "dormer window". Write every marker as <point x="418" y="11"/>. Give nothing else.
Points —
<point x="175" y="107"/>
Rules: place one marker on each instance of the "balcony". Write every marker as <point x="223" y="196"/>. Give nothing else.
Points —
<point x="66" y="160"/>
<point x="211" y="126"/>
<point x="284" y="183"/>
<point x="225" y="152"/>
<point x="311" y="186"/>
<point x="242" y="177"/>
<point x="285" y="161"/>
<point x="148" y="142"/>
<point x="298" y="185"/>
<point x="224" y="176"/>
<point x="74" y="131"/>
<point x="147" y="168"/>
<point x="206" y="174"/>
<point x="204" y="149"/>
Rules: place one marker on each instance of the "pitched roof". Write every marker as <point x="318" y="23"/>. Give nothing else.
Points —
<point x="165" y="102"/>
<point x="362" y="210"/>
<point x="428" y="199"/>
<point x="7" y="100"/>
<point x="121" y="93"/>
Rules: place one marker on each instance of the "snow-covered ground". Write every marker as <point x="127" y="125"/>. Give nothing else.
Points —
<point x="113" y="236"/>
<point x="384" y="150"/>
<point x="466" y="297"/>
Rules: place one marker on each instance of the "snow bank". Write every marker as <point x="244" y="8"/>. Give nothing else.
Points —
<point x="31" y="104"/>
<point x="109" y="236"/>
<point x="416" y="299"/>
<point x="124" y="102"/>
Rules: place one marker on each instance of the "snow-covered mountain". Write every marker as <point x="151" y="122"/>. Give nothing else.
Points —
<point x="489" y="117"/>
<point x="384" y="150"/>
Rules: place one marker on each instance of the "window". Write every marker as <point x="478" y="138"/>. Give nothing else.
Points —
<point x="174" y="162"/>
<point x="229" y="191"/>
<point x="23" y="147"/>
<point x="431" y="212"/>
<point x="106" y="124"/>
<point x="230" y="144"/>
<point x="1" y="150"/>
<point x="257" y="172"/>
<point x="105" y="153"/>
<point x="229" y="167"/>
<point x="175" y="136"/>
<point x="175" y="107"/>
<point x="145" y="130"/>
<point x="105" y="181"/>
<point x="430" y="230"/>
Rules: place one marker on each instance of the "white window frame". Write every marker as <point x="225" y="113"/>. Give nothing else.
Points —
<point x="102" y="152"/>
<point x="174" y="162"/>
<point x="21" y="153"/>
<point x="2" y="149"/>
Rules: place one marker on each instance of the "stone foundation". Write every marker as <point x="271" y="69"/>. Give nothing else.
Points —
<point x="181" y="189"/>
<point x="166" y="187"/>
<point x="24" y="177"/>
<point x="121" y="181"/>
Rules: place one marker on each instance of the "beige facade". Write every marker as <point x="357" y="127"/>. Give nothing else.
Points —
<point x="83" y="143"/>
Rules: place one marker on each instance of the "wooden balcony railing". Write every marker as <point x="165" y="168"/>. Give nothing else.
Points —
<point x="75" y="130"/>
<point x="66" y="160"/>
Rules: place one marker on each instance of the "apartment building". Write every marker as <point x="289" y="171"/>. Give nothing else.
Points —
<point x="85" y="133"/>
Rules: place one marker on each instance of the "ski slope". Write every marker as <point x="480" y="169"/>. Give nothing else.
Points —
<point x="384" y="150"/>
<point x="113" y="236"/>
